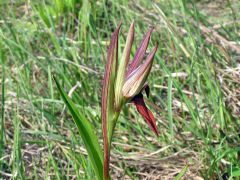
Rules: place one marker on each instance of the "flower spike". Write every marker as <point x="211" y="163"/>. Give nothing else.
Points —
<point x="122" y="84"/>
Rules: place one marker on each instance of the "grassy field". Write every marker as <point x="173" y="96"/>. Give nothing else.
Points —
<point x="195" y="88"/>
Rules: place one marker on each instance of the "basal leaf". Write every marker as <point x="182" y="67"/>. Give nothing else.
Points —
<point x="87" y="134"/>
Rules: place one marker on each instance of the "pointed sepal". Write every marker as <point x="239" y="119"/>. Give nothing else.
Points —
<point x="140" y="52"/>
<point x="121" y="74"/>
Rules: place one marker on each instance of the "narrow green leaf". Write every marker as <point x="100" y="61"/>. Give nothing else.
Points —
<point x="87" y="134"/>
<point x="92" y="25"/>
<point x="2" y="57"/>
<point x="169" y="105"/>
<point x="182" y="173"/>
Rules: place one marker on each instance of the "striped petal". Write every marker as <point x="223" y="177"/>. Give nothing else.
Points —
<point x="140" y="52"/>
<point x="122" y="67"/>
<point x="136" y="80"/>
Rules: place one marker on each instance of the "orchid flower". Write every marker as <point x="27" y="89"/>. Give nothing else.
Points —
<point x="123" y="84"/>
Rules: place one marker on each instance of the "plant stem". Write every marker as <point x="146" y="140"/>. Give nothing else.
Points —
<point x="107" y="141"/>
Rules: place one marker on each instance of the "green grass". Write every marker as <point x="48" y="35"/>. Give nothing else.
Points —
<point x="194" y="88"/>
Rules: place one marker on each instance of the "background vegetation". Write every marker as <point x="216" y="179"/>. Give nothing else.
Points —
<point x="195" y="88"/>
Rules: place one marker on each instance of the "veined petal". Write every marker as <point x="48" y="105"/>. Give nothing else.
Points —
<point x="137" y="78"/>
<point x="145" y="112"/>
<point x="122" y="67"/>
<point x="140" y="52"/>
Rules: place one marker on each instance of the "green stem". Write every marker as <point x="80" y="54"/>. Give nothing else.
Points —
<point x="107" y="149"/>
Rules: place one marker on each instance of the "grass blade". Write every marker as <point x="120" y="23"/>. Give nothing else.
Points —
<point x="169" y="105"/>
<point x="182" y="173"/>
<point x="2" y="107"/>
<point x="17" y="164"/>
<point x="87" y="134"/>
